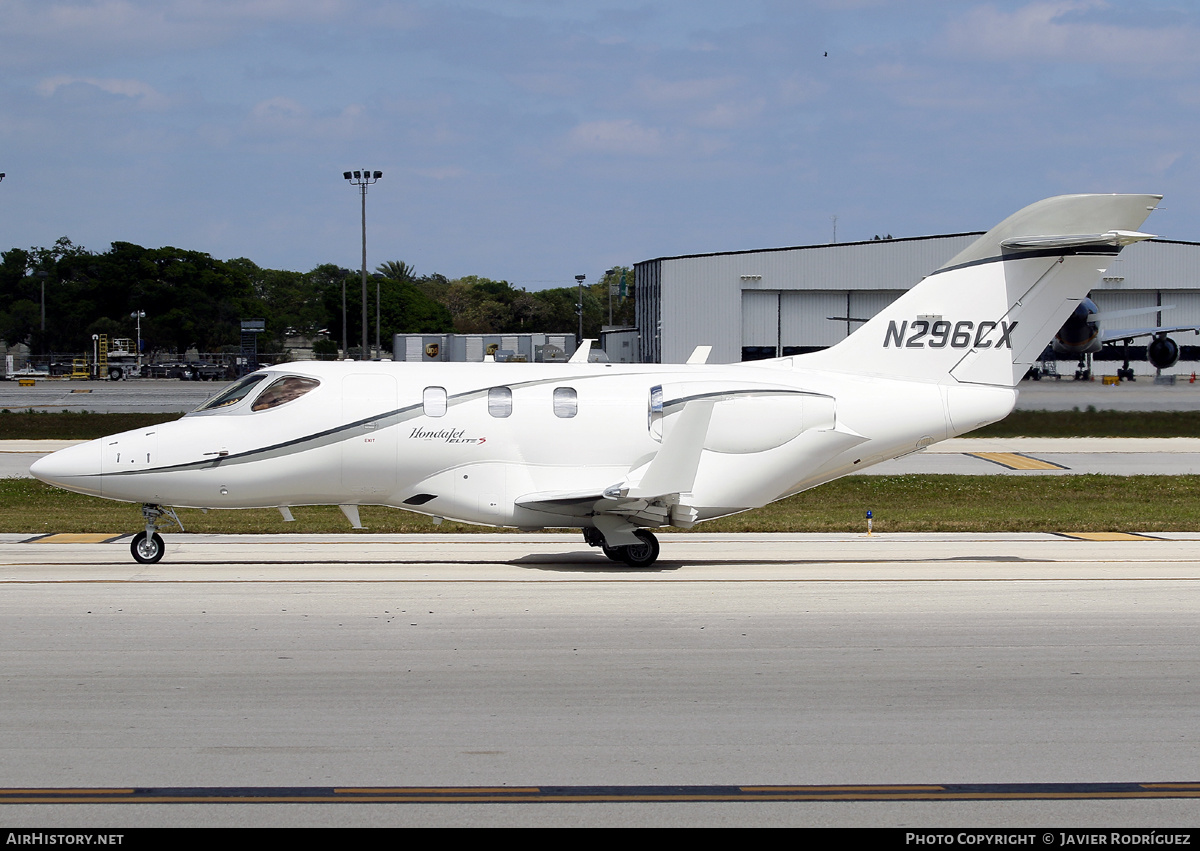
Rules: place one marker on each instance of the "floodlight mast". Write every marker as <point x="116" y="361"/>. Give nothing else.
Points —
<point x="139" y="315"/>
<point x="363" y="179"/>
<point x="579" y="306"/>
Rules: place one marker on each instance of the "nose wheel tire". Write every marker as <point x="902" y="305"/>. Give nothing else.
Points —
<point x="147" y="549"/>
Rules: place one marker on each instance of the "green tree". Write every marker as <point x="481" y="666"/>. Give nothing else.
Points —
<point x="403" y="307"/>
<point x="396" y="270"/>
<point x="292" y="303"/>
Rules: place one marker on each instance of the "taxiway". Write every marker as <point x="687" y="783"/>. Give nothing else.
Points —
<point x="402" y="662"/>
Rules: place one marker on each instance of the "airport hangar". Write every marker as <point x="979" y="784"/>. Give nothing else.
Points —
<point x="776" y="302"/>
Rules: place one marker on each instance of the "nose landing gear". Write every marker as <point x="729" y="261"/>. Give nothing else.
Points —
<point x="147" y="547"/>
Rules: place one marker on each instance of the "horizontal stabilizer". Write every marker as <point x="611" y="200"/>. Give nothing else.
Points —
<point x="1113" y="238"/>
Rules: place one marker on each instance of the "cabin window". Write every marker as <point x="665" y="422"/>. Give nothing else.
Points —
<point x="500" y="401"/>
<point x="283" y="391"/>
<point x="233" y="395"/>
<point x="566" y="402"/>
<point x="433" y="400"/>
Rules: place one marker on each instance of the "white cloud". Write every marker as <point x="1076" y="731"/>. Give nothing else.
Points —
<point x="619" y="136"/>
<point x="35" y="31"/>
<point x="731" y="114"/>
<point x="286" y="120"/>
<point x="145" y="94"/>
<point x="658" y="91"/>
<point x="1061" y="31"/>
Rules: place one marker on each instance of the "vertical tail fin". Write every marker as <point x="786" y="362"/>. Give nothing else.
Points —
<point x="986" y="315"/>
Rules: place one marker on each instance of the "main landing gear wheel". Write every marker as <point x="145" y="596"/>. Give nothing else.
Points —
<point x="147" y="549"/>
<point x="643" y="554"/>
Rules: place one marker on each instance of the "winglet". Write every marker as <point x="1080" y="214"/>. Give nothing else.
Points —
<point x="581" y="354"/>
<point x="673" y="469"/>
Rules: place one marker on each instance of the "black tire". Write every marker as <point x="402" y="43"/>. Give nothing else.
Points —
<point x="147" y="550"/>
<point x="114" y="374"/>
<point x="613" y="553"/>
<point x="643" y="554"/>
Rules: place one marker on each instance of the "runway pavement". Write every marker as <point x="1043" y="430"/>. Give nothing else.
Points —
<point x="143" y="395"/>
<point x="887" y="667"/>
<point x="816" y="666"/>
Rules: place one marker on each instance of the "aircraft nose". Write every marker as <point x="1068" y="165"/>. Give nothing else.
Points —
<point x="76" y="468"/>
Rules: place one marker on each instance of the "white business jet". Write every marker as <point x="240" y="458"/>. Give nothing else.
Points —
<point x="620" y="449"/>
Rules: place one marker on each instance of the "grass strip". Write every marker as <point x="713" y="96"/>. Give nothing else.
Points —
<point x="72" y="425"/>
<point x="1093" y="423"/>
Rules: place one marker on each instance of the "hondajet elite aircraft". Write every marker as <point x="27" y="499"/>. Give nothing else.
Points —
<point x="618" y="450"/>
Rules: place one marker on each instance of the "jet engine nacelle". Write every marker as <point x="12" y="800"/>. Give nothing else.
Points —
<point x="1163" y="352"/>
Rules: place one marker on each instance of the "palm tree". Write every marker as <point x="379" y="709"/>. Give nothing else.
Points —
<point x="396" y="270"/>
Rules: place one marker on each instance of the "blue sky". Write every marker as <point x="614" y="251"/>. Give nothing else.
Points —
<point x="533" y="140"/>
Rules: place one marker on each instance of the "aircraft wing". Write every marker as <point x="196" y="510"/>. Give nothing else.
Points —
<point x="654" y="495"/>
<point x="654" y="511"/>
<point x="574" y="503"/>
<point x="1125" y="334"/>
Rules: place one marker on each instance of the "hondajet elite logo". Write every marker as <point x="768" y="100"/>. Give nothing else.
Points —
<point x="444" y="435"/>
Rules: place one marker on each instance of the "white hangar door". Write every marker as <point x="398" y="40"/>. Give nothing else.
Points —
<point x="760" y="324"/>
<point x="804" y="321"/>
<point x="790" y="320"/>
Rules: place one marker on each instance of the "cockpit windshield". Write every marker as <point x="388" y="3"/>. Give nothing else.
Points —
<point x="234" y="394"/>
<point x="284" y="390"/>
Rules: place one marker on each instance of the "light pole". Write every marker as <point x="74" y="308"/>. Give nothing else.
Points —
<point x="139" y="315"/>
<point x="363" y="179"/>
<point x="378" y="349"/>
<point x="43" y="275"/>
<point x="608" y="277"/>
<point x="579" y="306"/>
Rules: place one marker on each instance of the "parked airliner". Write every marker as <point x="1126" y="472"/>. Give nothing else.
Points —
<point x="620" y="449"/>
<point x="1081" y="336"/>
